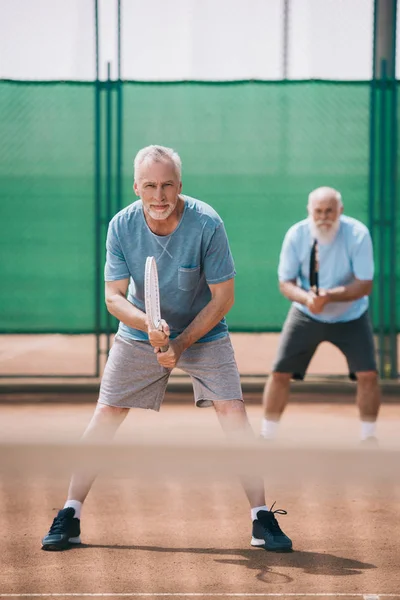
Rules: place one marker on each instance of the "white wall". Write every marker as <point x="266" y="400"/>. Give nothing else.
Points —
<point x="46" y="39"/>
<point x="187" y="39"/>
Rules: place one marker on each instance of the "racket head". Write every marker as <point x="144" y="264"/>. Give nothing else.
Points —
<point x="151" y="293"/>
<point x="314" y="268"/>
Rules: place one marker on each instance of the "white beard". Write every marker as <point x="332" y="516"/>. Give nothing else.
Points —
<point x="322" y="235"/>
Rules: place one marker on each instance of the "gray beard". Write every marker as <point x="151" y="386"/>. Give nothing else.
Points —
<point x="324" y="237"/>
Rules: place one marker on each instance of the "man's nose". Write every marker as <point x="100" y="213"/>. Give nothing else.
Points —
<point x="159" y="193"/>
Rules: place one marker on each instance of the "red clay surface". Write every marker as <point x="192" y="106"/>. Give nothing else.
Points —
<point x="68" y="355"/>
<point x="191" y="537"/>
<point x="187" y="536"/>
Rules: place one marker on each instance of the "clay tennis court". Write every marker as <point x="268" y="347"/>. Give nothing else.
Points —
<point x="186" y="533"/>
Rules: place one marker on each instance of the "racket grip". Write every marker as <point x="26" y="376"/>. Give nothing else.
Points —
<point x="164" y="348"/>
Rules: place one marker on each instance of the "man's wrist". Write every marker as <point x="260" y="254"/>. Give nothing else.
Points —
<point x="303" y="297"/>
<point x="328" y="296"/>
<point x="180" y="343"/>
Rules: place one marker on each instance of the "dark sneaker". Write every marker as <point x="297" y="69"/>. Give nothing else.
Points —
<point x="267" y="533"/>
<point x="64" y="531"/>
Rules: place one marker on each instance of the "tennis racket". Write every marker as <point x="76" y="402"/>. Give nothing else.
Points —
<point x="152" y="296"/>
<point x="314" y="268"/>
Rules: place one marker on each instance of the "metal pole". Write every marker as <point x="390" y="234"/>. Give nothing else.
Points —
<point x="394" y="371"/>
<point x="372" y="158"/>
<point x="119" y="118"/>
<point x="393" y="132"/>
<point x="108" y="178"/>
<point x="97" y="184"/>
<point x="119" y="39"/>
<point x="385" y="38"/>
<point x="285" y="53"/>
<point x="384" y="119"/>
<point x="382" y="224"/>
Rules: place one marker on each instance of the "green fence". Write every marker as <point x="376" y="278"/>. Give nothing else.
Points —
<point x="253" y="150"/>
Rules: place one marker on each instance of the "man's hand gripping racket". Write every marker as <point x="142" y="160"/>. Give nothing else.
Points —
<point x="152" y="299"/>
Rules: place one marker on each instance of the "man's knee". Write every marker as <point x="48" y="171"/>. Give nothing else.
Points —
<point x="367" y="379"/>
<point x="229" y="407"/>
<point x="104" y="412"/>
<point x="280" y="378"/>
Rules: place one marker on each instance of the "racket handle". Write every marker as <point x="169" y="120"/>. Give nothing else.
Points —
<point x="164" y="348"/>
<point x="315" y="289"/>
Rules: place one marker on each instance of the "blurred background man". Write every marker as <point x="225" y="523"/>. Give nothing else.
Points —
<point x="337" y="312"/>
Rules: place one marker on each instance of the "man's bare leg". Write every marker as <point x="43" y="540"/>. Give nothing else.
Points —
<point x="102" y="428"/>
<point x="65" y="530"/>
<point x="266" y="532"/>
<point x="234" y="421"/>
<point x="275" y="398"/>
<point x="368" y="401"/>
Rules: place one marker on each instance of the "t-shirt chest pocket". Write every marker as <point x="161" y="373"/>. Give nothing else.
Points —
<point x="188" y="278"/>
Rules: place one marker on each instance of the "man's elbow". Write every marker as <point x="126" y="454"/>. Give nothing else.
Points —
<point x="110" y="301"/>
<point x="368" y="285"/>
<point x="227" y="303"/>
<point x="283" y="287"/>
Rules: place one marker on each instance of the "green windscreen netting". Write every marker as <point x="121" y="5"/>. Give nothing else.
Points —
<point x="253" y="150"/>
<point x="47" y="207"/>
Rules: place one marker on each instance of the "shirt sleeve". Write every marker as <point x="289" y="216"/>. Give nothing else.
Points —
<point x="115" y="267"/>
<point x="289" y="262"/>
<point x="362" y="257"/>
<point x="218" y="260"/>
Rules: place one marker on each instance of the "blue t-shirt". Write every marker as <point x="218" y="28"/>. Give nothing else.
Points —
<point x="349" y="256"/>
<point x="194" y="255"/>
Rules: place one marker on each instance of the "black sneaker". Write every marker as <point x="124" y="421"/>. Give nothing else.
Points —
<point x="267" y="533"/>
<point x="64" y="531"/>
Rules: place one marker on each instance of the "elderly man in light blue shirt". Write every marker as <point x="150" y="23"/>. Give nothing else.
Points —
<point x="336" y="311"/>
<point x="196" y="282"/>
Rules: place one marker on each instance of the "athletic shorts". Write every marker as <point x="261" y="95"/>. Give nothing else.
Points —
<point x="133" y="377"/>
<point x="301" y="335"/>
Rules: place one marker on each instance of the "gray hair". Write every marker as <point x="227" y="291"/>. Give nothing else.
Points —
<point x="157" y="154"/>
<point x="320" y="192"/>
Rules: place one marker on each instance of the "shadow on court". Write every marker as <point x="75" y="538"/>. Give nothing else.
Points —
<point x="312" y="563"/>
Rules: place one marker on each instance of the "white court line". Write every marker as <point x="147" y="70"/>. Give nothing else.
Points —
<point x="200" y="594"/>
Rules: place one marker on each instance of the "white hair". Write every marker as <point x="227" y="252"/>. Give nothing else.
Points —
<point x="320" y="192"/>
<point x="157" y="154"/>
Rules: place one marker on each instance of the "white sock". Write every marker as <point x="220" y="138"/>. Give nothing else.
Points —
<point x="269" y="429"/>
<point x="255" y="510"/>
<point x="76" y="505"/>
<point x="368" y="429"/>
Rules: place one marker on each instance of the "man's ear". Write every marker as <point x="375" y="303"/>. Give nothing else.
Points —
<point x="135" y="189"/>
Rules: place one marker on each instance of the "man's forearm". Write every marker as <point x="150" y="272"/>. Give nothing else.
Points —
<point x="293" y="292"/>
<point x="126" y="312"/>
<point x="351" y="292"/>
<point x="207" y="318"/>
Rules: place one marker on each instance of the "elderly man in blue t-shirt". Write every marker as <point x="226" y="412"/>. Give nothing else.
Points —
<point x="336" y="313"/>
<point x="196" y="280"/>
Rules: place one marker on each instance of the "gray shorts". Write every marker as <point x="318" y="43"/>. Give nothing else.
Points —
<point x="133" y="378"/>
<point x="301" y="335"/>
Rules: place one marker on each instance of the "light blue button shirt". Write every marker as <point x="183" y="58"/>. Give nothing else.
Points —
<point x="349" y="256"/>
<point x="193" y="256"/>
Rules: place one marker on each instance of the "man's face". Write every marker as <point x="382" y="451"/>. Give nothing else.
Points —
<point x="324" y="214"/>
<point x="158" y="185"/>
